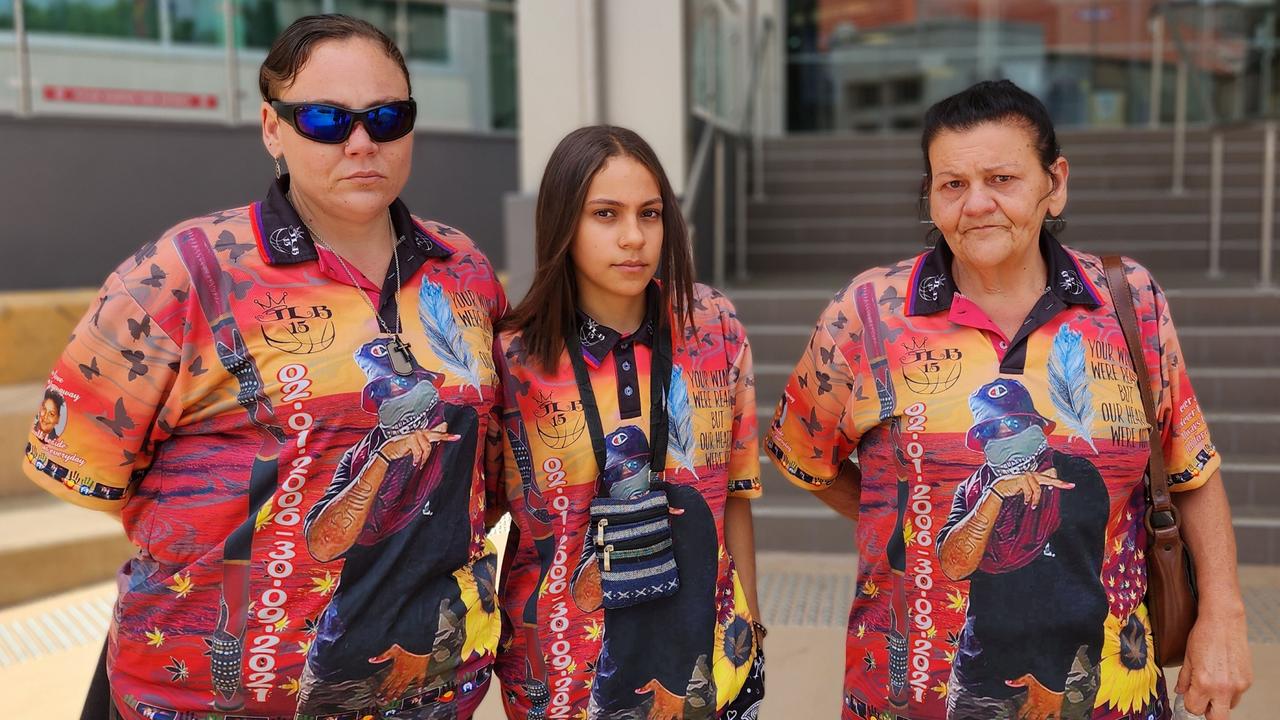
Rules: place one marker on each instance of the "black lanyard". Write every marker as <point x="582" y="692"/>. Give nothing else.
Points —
<point x="659" y="378"/>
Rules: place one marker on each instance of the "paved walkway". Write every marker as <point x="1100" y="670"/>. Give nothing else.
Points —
<point x="47" y="648"/>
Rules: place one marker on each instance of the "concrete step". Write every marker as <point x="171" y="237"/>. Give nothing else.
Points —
<point x="1069" y="138"/>
<point x="812" y="527"/>
<point x="34" y="327"/>
<point x="775" y="299"/>
<point x="799" y="251"/>
<point x="1235" y="346"/>
<point x="1236" y="305"/>
<point x="1252" y="480"/>
<point x="889" y="205"/>
<point x="1242" y="146"/>
<point x="1245" y="433"/>
<point x="1257" y="534"/>
<point x="1072" y="139"/>
<point x="50" y="546"/>
<point x="1220" y="390"/>
<point x="1181" y="227"/>
<point x="1086" y="159"/>
<point x="1245" y="355"/>
<point x="1238" y="390"/>
<point x="905" y="177"/>
<point x="18" y="404"/>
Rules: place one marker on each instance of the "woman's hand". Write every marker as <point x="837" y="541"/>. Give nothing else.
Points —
<point x="1217" y="669"/>
<point x="1029" y="485"/>
<point x="417" y="443"/>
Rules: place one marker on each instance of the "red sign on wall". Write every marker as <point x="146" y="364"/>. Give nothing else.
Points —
<point x="114" y="96"/>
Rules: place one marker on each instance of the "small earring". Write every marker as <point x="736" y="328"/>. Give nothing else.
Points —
<point x="1055" y="223"/>
<point x="278" y="173"/>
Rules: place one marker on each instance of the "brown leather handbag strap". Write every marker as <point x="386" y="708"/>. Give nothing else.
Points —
<point x="1162" y="513"/>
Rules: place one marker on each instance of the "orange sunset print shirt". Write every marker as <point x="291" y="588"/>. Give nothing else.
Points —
<point x="975" y="601"/>
<point x="233" y="396"/>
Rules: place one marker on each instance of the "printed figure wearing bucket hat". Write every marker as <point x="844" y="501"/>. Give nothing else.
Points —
<point x="1026" y="530"/>
<point x="1003" y="404"/>
<point x="626" y="470"/>
<point x="399" y="466"/>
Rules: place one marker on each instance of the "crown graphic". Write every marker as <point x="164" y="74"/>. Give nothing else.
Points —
<point x="917" y="344"/>
<point x="272" y="304"/>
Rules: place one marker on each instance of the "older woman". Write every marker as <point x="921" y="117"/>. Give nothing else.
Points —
<point x="286" y="404"/>
<point x="1001" y="444"/>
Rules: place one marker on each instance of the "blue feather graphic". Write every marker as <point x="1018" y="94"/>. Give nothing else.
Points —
<point x="1069" y="385"/>
<point x="441" y="327"/>
<point x="680" y="421"/>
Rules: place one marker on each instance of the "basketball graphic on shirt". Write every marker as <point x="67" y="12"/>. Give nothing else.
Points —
<point x="297" y="330"/>
<point x="930" y="371"/>
<point x="559" y="423"/>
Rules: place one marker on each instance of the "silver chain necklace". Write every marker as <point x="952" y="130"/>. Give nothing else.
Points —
<point x="401" y="358"/>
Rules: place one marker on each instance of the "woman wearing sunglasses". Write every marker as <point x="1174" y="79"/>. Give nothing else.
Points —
<point x="630" y="456"/>
<point x="285" y="403"/>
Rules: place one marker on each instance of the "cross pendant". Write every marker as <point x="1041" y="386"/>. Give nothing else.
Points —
<point x="401" y="358"/>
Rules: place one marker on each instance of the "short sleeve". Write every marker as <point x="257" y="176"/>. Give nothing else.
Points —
<point x="813" y="429"/>
<point x="744" y="458"/>
<point x="92" y="432"/>
<point x="1189" y="454"/>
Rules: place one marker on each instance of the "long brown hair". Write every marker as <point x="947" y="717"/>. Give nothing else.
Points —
<point x="547" y="310"/>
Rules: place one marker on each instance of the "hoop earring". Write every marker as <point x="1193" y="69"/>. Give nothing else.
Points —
<point x="278" y="173"/>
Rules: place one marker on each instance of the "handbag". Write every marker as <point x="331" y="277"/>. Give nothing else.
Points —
<point x="1171" y="589"/>
<point x="633" y="548"/>
<point x="631" y="537"/>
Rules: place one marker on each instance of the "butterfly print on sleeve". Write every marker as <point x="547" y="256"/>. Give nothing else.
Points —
<point x="137" y="368"/>
<point x="119" y="420"/>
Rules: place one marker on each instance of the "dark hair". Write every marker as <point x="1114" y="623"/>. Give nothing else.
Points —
<point x="547" y="310"/>
<point x="294" y="46"/>
<point x="991" y="101"/>
<point x="56" y="397"/>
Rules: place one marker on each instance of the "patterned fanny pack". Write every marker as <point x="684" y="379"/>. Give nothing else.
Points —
<point x="632" y="539"/>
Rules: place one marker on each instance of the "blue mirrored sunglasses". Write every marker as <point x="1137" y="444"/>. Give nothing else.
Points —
<point x="332" y="124"/>
<point x="1014" y="424"/>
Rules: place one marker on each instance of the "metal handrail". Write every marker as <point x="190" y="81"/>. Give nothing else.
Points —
<point x="1268" y="203"/>
<point x="715" y="131"/>
<point x="1170" y="21"/>
<point x="1266" y="234"/>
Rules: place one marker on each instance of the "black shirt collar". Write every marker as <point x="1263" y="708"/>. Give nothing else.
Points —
<point x="283" y="239"/>
<point x="932" y="287"/>
<point x="598" y="340"/>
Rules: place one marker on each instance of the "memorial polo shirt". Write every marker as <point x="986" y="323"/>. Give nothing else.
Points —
<point x="555" y="649"/>
<point x="938" y="404"/>
<point x="224" y="393"/>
